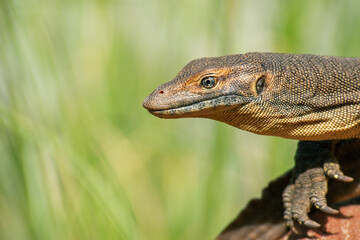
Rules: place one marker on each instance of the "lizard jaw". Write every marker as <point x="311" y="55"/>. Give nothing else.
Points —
<point x="202" y="108"/>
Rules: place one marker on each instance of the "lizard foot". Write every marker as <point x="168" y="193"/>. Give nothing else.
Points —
<point x="314" y="164"/>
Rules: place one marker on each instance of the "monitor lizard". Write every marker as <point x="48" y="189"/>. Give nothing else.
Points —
<point x="311" y="98"/>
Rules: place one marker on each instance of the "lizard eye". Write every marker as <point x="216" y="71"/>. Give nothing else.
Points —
<point x="208" y="82"/>
<point x="260" y="84"/>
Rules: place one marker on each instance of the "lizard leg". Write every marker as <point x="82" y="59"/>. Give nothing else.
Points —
<point x="314" y="163"/>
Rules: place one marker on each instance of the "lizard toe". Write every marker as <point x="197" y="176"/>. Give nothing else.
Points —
<point x="296" y="199"/>
<point x="318" y="190"/>
<point x="332" y="170"/>
<point x="287" y="197"/>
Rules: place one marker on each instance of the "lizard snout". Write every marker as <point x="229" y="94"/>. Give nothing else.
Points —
<point x="156" y="100"/>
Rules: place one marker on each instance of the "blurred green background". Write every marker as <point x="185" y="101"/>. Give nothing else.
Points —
<point x="81" y="158"/>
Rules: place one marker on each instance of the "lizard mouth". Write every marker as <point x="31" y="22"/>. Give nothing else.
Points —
<point x="202" y="108"/>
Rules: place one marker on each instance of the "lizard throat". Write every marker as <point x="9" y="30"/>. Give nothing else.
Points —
<point x="204" y="108"/>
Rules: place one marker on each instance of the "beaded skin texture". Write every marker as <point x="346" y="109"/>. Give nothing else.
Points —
<point x="305" y="97"/>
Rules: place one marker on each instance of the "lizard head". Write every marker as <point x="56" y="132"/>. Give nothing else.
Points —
<point x="211" y="88"/>
<point x="288" y="95"/>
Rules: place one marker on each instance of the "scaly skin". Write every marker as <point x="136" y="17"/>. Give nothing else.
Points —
<point x="315" y="99"/>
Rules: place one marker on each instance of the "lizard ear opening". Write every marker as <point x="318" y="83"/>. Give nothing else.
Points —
<point x="260" y="84"/>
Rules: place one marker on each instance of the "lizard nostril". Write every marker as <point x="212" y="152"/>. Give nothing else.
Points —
<point x="161" y="92"/>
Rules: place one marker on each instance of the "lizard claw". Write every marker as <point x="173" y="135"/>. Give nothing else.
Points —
<point x="332" y="170"/>
<point x="345" y="178"/>
<point x="311" y="224"/>
<point x="327" y="209"/>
